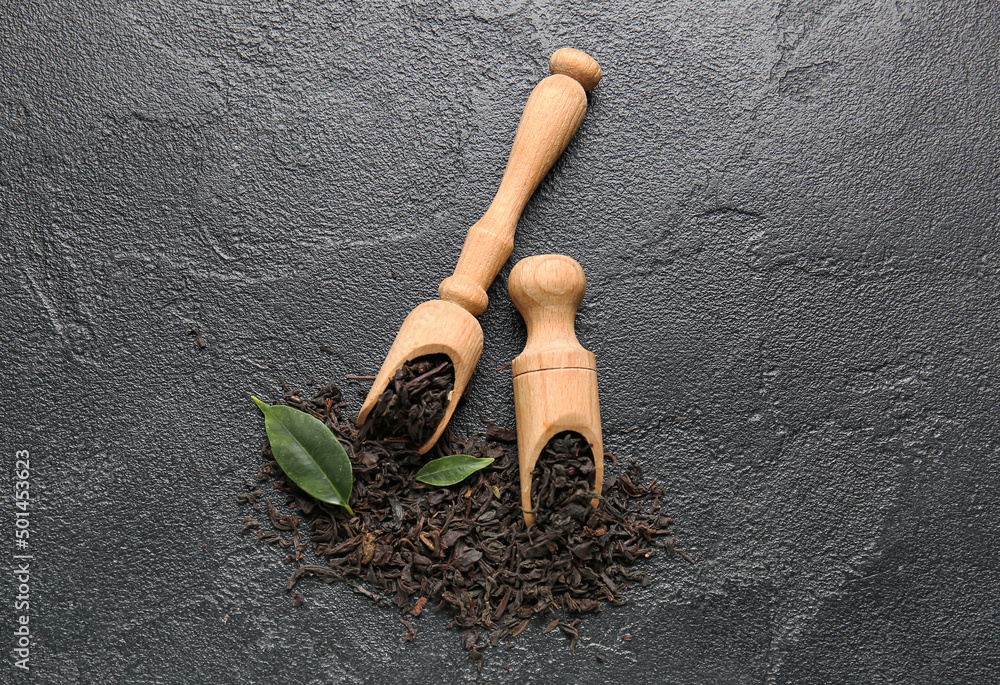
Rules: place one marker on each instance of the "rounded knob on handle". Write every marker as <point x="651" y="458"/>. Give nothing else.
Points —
<point x="577" y="64"/>
<point x="555" y="283"/>
<point x="547" y="290"/>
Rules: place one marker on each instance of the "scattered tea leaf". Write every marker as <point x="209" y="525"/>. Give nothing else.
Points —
<point x="413" y="403"/>
<point x="451" y="469"/>
<point x="495" y="432"/>
<point x="308" y="453"/>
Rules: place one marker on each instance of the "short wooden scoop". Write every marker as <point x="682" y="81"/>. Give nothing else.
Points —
<point x="555" y="378"/>
<point x="448" y="325"/>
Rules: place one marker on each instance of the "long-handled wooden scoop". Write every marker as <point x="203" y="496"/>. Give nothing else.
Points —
<point x="448" y="326"/>
<point x="555" y="378"/>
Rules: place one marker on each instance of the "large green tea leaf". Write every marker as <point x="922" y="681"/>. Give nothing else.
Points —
<point x="308" y="453"/>
<point x="451" y="469"/>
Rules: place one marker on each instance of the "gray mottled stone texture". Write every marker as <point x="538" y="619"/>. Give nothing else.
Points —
<point x="788" y="215"/>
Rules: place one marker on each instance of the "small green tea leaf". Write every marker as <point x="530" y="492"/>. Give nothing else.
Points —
<point x="308" y="453"/>
<point x="451" y="469"/>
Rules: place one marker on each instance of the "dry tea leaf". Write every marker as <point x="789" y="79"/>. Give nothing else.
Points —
<point x="411" y="407"/>
<point x="464" y="549"/>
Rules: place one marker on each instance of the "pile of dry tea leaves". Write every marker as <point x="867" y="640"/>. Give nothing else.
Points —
<point x="411" y="407"/>
<point x="464" y="549"/>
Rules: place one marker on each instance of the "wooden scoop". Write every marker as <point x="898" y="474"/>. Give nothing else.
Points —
<point x="555" y="379"/>
<point x="448" y="326"/>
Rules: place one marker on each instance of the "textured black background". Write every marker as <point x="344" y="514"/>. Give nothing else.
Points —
<point x="787" y="212"/>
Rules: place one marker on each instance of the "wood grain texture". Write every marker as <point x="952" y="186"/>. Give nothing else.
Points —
<point x="433" y="327"/>
<point x="577" y="64"/>
<point x="551" y="116"/>
<point x="555" y="378"/>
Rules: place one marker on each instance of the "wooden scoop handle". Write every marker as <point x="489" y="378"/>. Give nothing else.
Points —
<point x="551" y="116"/>
<point x="547" y="290"/>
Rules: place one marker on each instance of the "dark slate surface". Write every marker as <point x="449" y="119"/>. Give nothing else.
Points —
<point x="788" y="215"/>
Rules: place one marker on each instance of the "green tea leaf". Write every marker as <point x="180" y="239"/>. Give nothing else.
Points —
<point x="308" y="453"/>
<point x="451" y="469"/>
